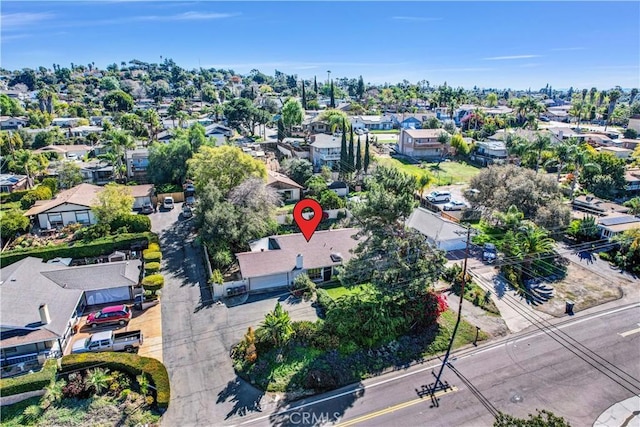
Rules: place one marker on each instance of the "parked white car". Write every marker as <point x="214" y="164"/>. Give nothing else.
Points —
<point x="455" y="205"/>
<point x="168" y="202"/>
<point x="439" y="196"/>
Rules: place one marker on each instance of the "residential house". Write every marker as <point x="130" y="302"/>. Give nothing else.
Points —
<point x="559" y="114"/>
<point x="66" y="122"/>
<point x="41" y="303"/>
<point x="619" y="152"/>
<point x="294" y="147"/>
<point x="9" y="123"/>
<point x="634" y="123"/>
<point x="84" y="131"/>
<point x="563" y="133"/>
<point x="384" y="122"/>
<point x="489" y="152"/>
<point x="10" y="182"/>
<point x="632" y="181"/>
<point x="288" y="188"/>
<point x="96" y="172"/>
<point x="440" y="233"/>
<point x="325" y="150"/>
<point x="526" y="134"/>
<point x="592" y="205"/>
<point x="142" y="194"/>
<point x="629" y="143"/>
<point x="339" y="187"/>
<point x="138" y="164"/>
<point x="617" y="223"/>
<point x="275" y="261"/>
<point x="69" y="152"/>
<point x="422" y="143"/>
<point x="314" y="125"/>
<point x="67" y="207"/>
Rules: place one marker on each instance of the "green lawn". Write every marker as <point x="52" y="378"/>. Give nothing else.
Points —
<point x="339" y="291"/>
<point x="446" y="173"/>
<point x="466" y="333"/>
<point x="394" y="131"/>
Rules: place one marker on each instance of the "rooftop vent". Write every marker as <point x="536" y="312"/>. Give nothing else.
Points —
<point x="336" y="257"/>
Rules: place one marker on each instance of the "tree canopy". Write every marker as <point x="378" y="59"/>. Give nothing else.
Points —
<point x="113" y="201"/>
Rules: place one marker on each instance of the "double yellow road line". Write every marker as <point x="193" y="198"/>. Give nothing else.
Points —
<point x="394" y="408"/>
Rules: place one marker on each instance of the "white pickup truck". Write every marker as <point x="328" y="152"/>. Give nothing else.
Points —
<point x="109" y="341"/>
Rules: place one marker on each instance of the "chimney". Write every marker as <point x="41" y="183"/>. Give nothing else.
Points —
<point x="45" y="318"/>
<point x="299" y="262"/>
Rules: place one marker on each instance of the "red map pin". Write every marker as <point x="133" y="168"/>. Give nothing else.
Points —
<point x="307" y="226"/>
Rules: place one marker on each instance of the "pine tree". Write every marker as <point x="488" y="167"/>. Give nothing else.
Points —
<point x="358" y="156"/>
<point x="351" y="156"/>
<point x="366" y="155"/>
<point x="343" y="150"/>
<point x="304" y="97"/>
<point x="332" y="102"/>
<point x="315" y="84"/>
<point x="281" y="133"/>
<point x="360" y="88"/>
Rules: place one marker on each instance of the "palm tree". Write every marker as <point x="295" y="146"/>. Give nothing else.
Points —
<point x="277" y="325"/>
<point x="118" y="142"/>
<point x="614" y="95"/>
<point x="582" y="161"/>
<point x="541" y="143"/>
<point x="563" y="154"/>
<point x="98" y="379"/>
<point x="152" y="120"/>
<point x="511" y="219"/>
<point x="423" y="182"/>
<point x="29" y="162"/>
<point x="576" y="111"/>
<point x="532" y="242"/>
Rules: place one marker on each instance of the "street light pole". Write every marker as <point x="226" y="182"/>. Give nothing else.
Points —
<point x="439" y="385"/>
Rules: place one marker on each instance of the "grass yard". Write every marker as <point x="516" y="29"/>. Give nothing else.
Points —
<point x="340" y="291"/>
<point x="466" y="333"/>
<point x="446" y="173"/>
<point x="394" y="131"/>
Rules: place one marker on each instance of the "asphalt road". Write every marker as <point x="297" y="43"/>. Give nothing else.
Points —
<point x="577" y="371"/>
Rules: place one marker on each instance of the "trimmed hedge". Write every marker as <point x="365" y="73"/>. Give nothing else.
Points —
<point x="125" y="362"/>
<point x="153" y="282"/>
<point x="151" y="256"/>
<point x="153" y="247"/>
<point x="30" y="382"/>
<point x="103" y="246"/>
<point x="151" y="267"/>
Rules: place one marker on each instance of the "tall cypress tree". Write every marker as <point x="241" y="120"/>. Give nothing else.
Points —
<point x="359" y="156"/>
<point x="281" y="132"/>
<point x="315" y="85"/>
<point x="343" y="151"/>
<point x="304" y="97"/>
<point x="332" y="101"/>
<point x="366" y="155"/>
<point x="351" y="157"/>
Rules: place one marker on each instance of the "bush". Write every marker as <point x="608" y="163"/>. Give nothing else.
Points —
<point x="324" y="300"/>
<point x="605" y="256"/>
<point x="304" y="331"/>
<point x="92" y="232"/>
<point x="51" y="183"/>
<point x="39" y="193"/>
<point x="153" y="282"/>
<point x="125" y="362"/>
<point x="154" y="247"/>
<point x="30" y="382"/>
<point x="16" y="196"/>
<point x="151" y="256"/>
<point x="93" y="248"/>
<point x="151" y="267"/>
<point x="132" y="222"/>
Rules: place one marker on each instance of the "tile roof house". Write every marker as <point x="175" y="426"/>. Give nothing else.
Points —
<point x="422" y="143"/>
<point x="275" y="261"/>
<point x="288" y="188"/>
<point x="69" y="206"/>
<point x="42" y="302"/>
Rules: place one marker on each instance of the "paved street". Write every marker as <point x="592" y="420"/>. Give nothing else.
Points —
<point x="566" y="371"/>
<point x="198" y="334"/>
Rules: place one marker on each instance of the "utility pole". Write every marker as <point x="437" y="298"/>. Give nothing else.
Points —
<point x="439" y="385"/>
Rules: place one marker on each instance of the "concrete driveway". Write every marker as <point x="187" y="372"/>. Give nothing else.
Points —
<point x="198" y="333"/>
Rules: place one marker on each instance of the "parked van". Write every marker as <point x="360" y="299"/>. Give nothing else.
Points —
<point x="439" y="196"/>
<point x="168" y="202"/>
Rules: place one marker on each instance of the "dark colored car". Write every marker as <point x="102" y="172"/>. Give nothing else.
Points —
<point x="119" y="314"/>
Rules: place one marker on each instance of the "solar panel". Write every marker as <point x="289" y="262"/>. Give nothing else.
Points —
<point x="619" y="220"/>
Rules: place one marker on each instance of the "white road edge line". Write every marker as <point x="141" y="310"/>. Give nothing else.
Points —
<point x="493" y="347"/>
<point x="631" y="332"/>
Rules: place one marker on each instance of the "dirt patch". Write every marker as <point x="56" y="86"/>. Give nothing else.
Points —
<point x="584" y="287"/>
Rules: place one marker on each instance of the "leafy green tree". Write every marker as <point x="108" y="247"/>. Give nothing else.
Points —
<point x="492" y="100"/>
<point x="633" y="205"/>
<point x="239" y="113"/>
<point x="109" y="83"/>
<point x="299" y="170"/>
<point x="117" y="100"/>
<point x="330" y="200"/>
<point x="113" y="201"/>
<point x="540" y="419"/>
<point x="46" y="138"/>
<point x="277" y="325"/>
<point x="10" y="141"/>
<point x="460" y="145"/>
<point x="628" y="254"/>
<point x="607" y="178"/>
<point x="9" y="106"/>
<point x="134" y="124"/>
<point x="585" y="229"/>
<point x="27" y="162"/>
<point x="117" y="143"/>
<point x="292" y="113"/>
<point x="316" y="185"/>
<point x="69" y="175"/>
<point x="614" y="95"/>
<point x="168" y="162"/>
<point x="225" y="166"/>
<point x="13" y="222"/>
<point x="337" y="119"/>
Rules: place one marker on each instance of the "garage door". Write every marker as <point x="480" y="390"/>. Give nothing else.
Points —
<point x="104" y="296"/>
<point x="268" y="282"/>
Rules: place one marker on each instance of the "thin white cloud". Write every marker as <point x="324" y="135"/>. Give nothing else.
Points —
<point x="186" y="16"/>
<point x="459" y="70"/>
<point x="510" y="57"/>
<point x="566" y="49"/>
<point x="415" y="18"/>
<point x="10" y="37"/>
<point x="13" y="21"/>
<point x="530" y="65"/>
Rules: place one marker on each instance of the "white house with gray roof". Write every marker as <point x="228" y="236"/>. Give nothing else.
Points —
<point x="42" y="302"/>
<point x="441" y="233"/>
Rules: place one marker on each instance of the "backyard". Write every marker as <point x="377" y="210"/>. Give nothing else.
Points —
<point x="446" y="173"/>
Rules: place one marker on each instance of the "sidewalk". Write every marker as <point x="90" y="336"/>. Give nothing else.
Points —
<point x="625" y="413"/>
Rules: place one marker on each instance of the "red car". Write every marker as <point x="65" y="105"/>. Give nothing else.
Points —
<point x="119" y="314"/>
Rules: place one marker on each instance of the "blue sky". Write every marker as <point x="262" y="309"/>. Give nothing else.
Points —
<point x="499" y="44"/>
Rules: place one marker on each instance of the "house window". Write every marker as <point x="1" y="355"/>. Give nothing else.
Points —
<point x="82" y="217"/>
<point x="314" y="273"/>
<point x="11" y="350"/>
<point x="55" y="219"/>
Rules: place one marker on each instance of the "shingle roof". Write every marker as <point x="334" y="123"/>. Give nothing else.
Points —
<point x="142" y="190"/>
<point x="316" y="253"/>
<point x="433" y="226"/>
<point x="274" y="177"/>
<point x="326" y="141"/>
<point x="83" y="195"/>
<point x="424" y="133"/>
